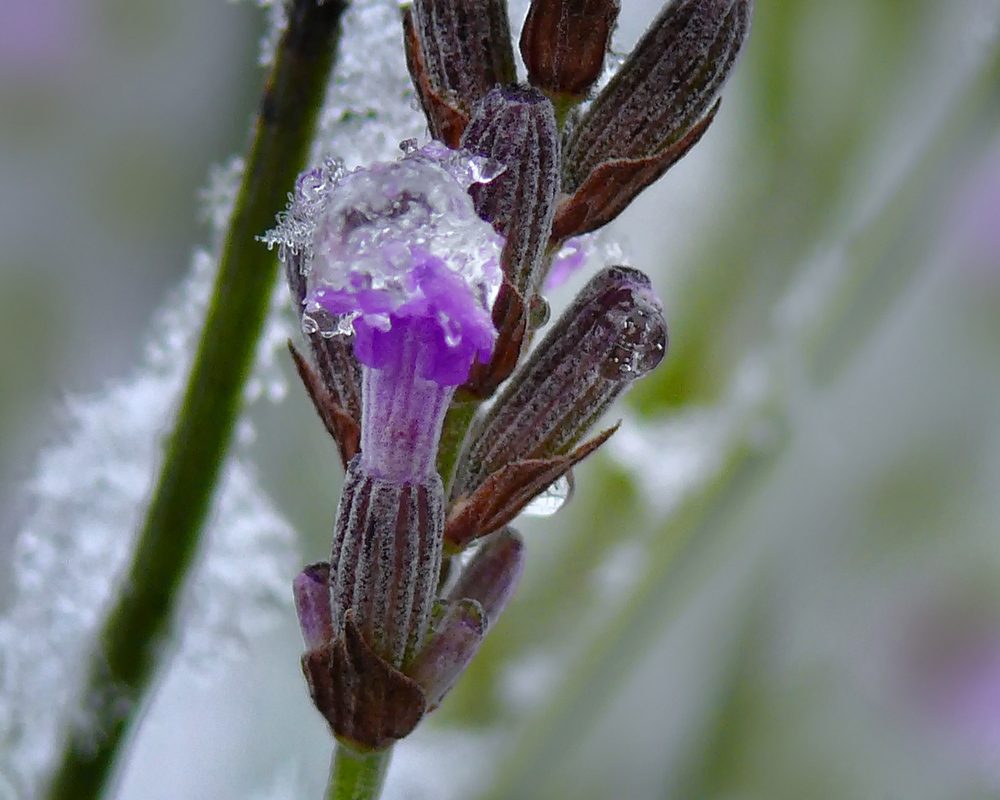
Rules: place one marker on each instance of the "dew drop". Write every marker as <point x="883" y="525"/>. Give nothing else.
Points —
<point x="408" y="145"/>
<point x="618" y="364"/>
<point x="309" y="325"/>
<point x="552" y="499"/>
<point x="484" y="170"/>
<point x="539" y="312"/>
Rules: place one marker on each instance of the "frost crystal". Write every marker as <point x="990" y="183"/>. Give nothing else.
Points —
<point x="88" y="495"/>
<point x="362" y="230"/>
<point x="396" y="245"/>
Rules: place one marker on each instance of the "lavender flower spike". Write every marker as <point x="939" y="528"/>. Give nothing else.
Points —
<point x="397" y="255"/>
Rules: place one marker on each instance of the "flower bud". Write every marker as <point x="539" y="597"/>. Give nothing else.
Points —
<point x="516" y="127"/>
<point x="456" y="51"/>
<point x="492" y="575"/>
<point x="452" y="645"/>
<point x="653" y="110"/>
<point x="473" y="605"/>
<point x="386" y="560"/>
<point x="563" y="43"/>
<point x="311" y="589"/>
<point x="612" y="334"/>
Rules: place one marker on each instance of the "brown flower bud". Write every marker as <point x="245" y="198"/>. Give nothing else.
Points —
<point x="612" y="334"/>
<point x="456" y="51"/>
<point x="563" y="43"/>
<point x="516" y="127"/>
<point x="656" y="107"/>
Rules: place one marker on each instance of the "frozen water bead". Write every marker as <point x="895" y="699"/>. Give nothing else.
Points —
<point x="364" y="229"/>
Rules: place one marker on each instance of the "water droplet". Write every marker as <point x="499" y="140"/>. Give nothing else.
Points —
<point x="484" y="170"/>
<point x="618" y="365"/>
<point x="309" y="325"/>
<point x="552" y="499"/>
<point x="638" y="343"/>
<point x="539" y="312"/>
<point x="408" y="145"/>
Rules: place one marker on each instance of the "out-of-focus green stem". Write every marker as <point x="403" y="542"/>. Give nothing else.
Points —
<point x="453" y="433"/>
<point x="886" y="251"/>
<point x="357" y="776"/>
<point x="133" y="642"/>
<point x="689" y="543"/>
<point x="676" y="563"/>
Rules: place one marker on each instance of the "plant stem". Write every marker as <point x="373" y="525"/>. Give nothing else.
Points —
<point x="453" y="433"/>
<point x="357" y="776"/>
<point x="131" y="645"/>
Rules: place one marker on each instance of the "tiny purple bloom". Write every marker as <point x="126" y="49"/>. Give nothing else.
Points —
<point x="397" y="255"/>
<point x="567" y="261"/>
<point x="399" y="246"/>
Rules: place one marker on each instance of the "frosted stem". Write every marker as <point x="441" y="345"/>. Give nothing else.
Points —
<point x="357" y="776"/>
<point x="130" y="649"/>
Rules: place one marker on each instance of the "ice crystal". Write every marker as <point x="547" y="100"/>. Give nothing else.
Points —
<point x="360" y="232"/>
<point x="370" y="106"/>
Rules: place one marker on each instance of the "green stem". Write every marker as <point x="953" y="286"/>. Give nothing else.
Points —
<point x="357" y="776"/>
<point x="453" y="433"/>
<point x="131" y="645"/>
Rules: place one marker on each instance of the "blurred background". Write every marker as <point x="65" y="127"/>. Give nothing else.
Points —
<point x="781" y="579"/>
<point x="111" y="114"/>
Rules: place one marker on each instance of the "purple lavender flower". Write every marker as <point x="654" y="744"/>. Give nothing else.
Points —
<point x="420" y="307"/>
<point x="397" y="256"/>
